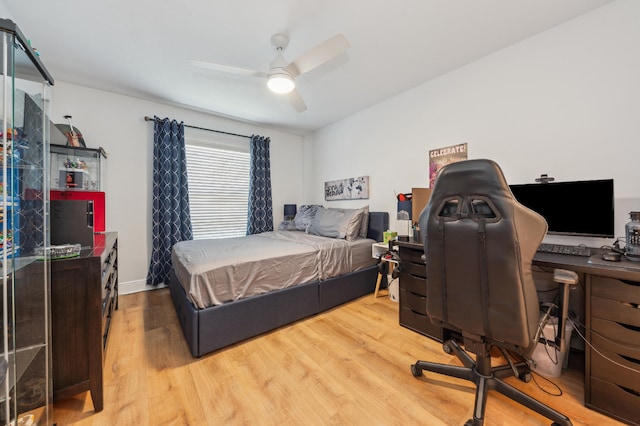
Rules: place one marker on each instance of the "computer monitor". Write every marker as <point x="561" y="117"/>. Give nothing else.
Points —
<point x="579" y="208"/>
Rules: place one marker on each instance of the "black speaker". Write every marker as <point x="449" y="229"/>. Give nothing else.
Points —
<point x="72" y="222"/>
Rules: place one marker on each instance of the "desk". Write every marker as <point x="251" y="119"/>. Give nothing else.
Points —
<point x="612" y="319"/>
<point x="611" y="316"/>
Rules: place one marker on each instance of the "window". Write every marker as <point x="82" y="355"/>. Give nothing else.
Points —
<point x="218" y="176"/>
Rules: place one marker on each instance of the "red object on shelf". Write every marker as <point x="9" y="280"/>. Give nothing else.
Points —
<point x="99" y="210"/>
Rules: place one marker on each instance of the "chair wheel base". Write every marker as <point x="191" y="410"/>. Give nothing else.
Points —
<point x="417" y="372"/>
<point x="525" y="377"/>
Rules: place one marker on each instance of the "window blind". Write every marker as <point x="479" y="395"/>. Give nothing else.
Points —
<point x="218" y="177"/>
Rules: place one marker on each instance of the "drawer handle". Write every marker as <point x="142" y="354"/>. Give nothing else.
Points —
<point x="630" y="359"/>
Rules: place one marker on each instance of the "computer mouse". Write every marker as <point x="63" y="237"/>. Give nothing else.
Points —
<point x="611" y="256"/>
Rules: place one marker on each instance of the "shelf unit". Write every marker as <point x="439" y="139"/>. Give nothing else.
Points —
<point x="75" y="168"/>
<point x="25" y="360"/>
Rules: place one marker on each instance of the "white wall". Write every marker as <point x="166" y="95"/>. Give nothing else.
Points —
<point x="116" y="123"/>
<point x="4" y="12"/>
<point x="564" y="102"/>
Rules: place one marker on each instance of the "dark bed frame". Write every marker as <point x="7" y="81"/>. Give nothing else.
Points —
<point x="209" y="329"/>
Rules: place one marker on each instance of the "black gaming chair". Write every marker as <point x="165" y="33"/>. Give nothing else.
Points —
<point x="479" y="243"/>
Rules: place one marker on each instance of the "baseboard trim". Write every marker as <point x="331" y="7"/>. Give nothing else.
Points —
<point x="137" y="286"/>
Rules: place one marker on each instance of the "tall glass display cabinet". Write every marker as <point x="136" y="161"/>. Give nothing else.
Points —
<point x="25" y="372"/>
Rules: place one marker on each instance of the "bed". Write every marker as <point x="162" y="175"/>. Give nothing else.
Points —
<point x="282" y="277"/>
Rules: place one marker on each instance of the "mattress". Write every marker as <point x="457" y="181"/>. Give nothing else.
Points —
<point x="218" y="271"/>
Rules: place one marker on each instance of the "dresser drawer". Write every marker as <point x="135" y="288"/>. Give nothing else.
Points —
<point x="614" y="401"/>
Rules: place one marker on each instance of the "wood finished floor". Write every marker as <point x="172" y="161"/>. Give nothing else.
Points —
<point x="347" y="366"/>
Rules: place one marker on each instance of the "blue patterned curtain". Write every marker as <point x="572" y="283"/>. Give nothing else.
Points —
<point x="170" y="214"/>
<point x="260" y="212"/>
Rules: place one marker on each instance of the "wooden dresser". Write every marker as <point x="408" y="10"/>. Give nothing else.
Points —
<point x="413" y="291"/>
<point x="84" y="294"/>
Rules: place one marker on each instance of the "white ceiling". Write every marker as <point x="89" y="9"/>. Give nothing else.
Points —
<point x="143" y="47"/>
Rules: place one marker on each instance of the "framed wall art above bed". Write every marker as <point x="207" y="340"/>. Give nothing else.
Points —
<point x="356" y="188"/>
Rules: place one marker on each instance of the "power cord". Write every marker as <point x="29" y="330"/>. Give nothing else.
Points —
<point x="573" y="324"/>
<point x="531" y="372"/>
<point x="616" y="246"/>
<point x="552" y="383"/>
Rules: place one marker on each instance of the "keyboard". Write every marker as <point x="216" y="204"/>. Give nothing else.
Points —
<point x="562" y="249"/>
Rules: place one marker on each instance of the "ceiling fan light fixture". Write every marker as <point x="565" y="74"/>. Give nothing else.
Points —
<point x="280" y="82"/>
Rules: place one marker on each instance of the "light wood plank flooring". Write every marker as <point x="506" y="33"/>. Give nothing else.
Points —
<point x="348" y="366"/>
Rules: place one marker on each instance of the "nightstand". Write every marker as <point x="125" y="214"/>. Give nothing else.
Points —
<point x="377" y="250"/>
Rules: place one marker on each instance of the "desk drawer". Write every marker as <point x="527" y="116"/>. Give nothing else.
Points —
<point x="616" y="334"/>
<point x="413" y="255"/>
<point x="611" y="288"/>
<point x="414" y="268"/>
<point x="415" y="302"/>
<point x="412" y="283"/>
<point x="611" y="359"/>
<point x="615" y="310"/>
<point x="614" y="401"/>
<point x="420" y="323"/>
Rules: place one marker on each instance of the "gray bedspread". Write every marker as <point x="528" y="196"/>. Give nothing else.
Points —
<point x="217" y="271"/>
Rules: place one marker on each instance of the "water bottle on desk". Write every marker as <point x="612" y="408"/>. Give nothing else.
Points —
<point x="632" y="231"/>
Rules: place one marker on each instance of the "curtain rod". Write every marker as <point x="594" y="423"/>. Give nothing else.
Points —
<point x="147" y="118"/>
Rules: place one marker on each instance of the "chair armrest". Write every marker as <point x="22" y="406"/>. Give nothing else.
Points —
<point x="566" y="279"/>
<point x="564" y="276"/>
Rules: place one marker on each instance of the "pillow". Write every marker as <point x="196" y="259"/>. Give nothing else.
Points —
<point x="328" y="223"/>
<point x="304" y="216"/>
<point x="337" y="223"/>
<point x="354" y="222"/>
<point x="364" y="225"/>
<point x="287" y="225"/>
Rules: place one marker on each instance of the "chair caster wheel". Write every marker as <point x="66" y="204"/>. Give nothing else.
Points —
<point x="415" y="371"/>
<point x="525" y="377"/>
<point x="468" y="422"/>
<point x="446" y="348"/>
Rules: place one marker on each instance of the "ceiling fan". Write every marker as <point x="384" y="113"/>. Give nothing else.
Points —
<point x="282" y="74"/>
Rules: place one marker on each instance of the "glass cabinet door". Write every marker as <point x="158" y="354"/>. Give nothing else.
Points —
<point x="25" y="376"/>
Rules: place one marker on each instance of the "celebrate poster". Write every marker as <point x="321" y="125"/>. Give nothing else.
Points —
<point x="438" y="158"/>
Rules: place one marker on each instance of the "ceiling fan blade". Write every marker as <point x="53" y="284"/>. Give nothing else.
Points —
<point x="318" y="55"/>
<point x="227" y="69"/>
<point x="296" y="101"/>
